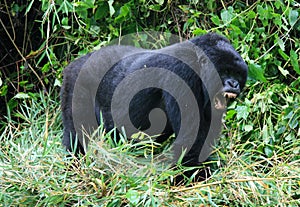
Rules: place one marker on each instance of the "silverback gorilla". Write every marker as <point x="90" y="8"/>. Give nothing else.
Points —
<point x="189" y="83"/>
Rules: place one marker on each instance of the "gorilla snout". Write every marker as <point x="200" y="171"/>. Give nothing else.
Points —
<point x="232" y="86"/>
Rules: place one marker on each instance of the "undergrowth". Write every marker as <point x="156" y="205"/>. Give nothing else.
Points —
<point x="252" y="171"/>
<point x="256" y="162"/>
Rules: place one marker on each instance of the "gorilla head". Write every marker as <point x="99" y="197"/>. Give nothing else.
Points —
<point x="229" y="64"/>
<point x="190" y="82"/>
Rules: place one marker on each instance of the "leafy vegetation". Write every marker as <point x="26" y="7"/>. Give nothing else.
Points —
<point x="257" y="161"/>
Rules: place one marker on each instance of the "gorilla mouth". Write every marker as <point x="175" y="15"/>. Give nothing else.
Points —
<point x="221" y="99"/>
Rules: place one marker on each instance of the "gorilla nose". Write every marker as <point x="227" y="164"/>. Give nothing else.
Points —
<point x="232" y="83"/>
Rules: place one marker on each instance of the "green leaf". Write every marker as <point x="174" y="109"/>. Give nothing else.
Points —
<point x="263" y="14"/>
<point x="87" y="4"/>
<point x="101" y="11"/>
<point x="293" y="16"/>
<point x="133" y="197"/>
<point x="160" y="2"/>
<point x="57" y="82"/>
<point x="29" y="7"/>
<point x="46" y="67"/>
<point x="268" y="151"/>
<point x="283" y="54"/>
<point x="260" y="29"/>
<point x="236" y="30"/>
<point x="230" y="114"/>
<point x="281" y="44"/>
<point x="295" y="61"/>
<point x="21" y="95"/>
<point x="215" y="20"/>
<point x="155" y="7"/>
<point x="111" y="8"/>
<point x="198" y="31"/>
<point x="265" y="134"/>
<point x="81" y="10"/>
<point x="124" y="11"/>
<point x="3" y="90"/>
<point x="251" y="14"/>
<point x="90" y="3"/>
<point x="293" y="123"/>
<point x="242" y="112"/>
<point x="289" y="115"/>
<point x="227" y="15"/>
<point x="222" y="155"/>
<point x="66" y="7"/>
<point x="277" y="19"/>
<point x="248" y="128"/>
<point x="64" y="21"/>
<point x="256" y="72"/>
<point x="283" y="71"/>
<point x="289" y="137"/>
<point x="278" y="4"/>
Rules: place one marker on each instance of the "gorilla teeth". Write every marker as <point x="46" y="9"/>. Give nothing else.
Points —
<point x="229" y="95"/>
<point x="221" y="99"/>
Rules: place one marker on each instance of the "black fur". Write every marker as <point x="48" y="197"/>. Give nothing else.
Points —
<point x="228" y="63"/>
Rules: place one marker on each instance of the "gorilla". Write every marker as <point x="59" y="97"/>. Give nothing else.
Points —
<point x="181" y="89"/>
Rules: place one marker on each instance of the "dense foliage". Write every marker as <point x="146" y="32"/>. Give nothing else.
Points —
<point x="258" y="154"/>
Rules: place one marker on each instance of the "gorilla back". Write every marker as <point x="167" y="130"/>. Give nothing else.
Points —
<point x="183" y="89"/>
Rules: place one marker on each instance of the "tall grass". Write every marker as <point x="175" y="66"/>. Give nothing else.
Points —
<point x="36" y="171"/>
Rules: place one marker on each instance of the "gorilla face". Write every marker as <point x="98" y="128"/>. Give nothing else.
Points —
<point x="230" y="66"/>
<point x="192" y="95"/>
<point x="233" y="82"/>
